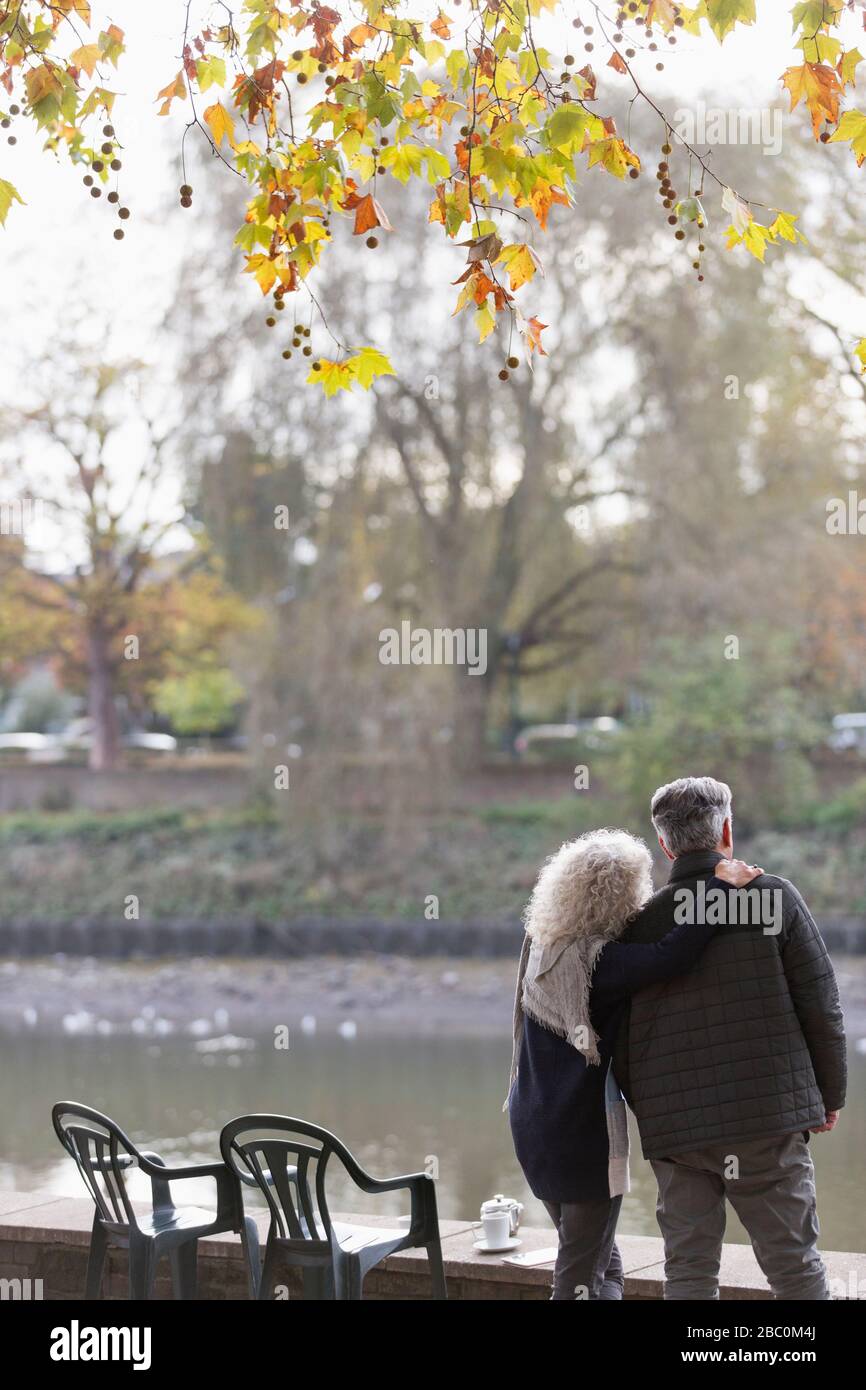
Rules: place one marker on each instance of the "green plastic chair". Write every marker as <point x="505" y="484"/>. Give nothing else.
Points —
<point x="272" y="1153"/>
<point x="104" y="1155"/>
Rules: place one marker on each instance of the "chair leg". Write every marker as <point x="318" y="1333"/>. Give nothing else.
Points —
<point x="437" y="1270"/>
<point x="142" y="1266"/>
<point x="96" y="1260"/>
<point x="184" y="1270"/>
<point x="348" y="1280"/>
<point x="269" y="1269"/>
<point x="250" y="1246"/>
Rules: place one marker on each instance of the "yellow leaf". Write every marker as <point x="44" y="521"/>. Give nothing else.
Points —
<point x="8" y="195"/>
<point x="784" y="227"/>
<point x="852" y="127"/>
<point x="860" y="354"/>
<point x="847" y="66"/>
<point x="86" y="57"/>
<point x="264" y="270"/>
<point x="614" y="155"/>
<point x="41" y="82"/>
<point x="370" y="363"/>
<point x="521" y="263"/>
<point x="333" y="376"/>
<point x="485" y="321"/>
<point x="220" y="124"/>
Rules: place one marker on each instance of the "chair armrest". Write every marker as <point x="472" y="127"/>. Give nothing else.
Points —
<point x="373" y="1185"/>
<point x="424" y="1220"/>
<point x="229" y="1205"/>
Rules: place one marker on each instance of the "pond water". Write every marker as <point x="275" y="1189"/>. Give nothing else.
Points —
<point x="396" y="1102"/>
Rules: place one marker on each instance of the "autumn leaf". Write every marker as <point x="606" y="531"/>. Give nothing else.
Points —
<point x="819" y="86"/>
<point x="723" y="15"/>
<point x="617" y="63"/>
<point x="175" y="89"/>
<point x="370" y="363"/>
<point x="264" y="270"/>
<point x="8" y="195"/>
<point x="220" y="124"/>
<point x="361" y="369"/>
<point x="332" y="376"/>
<point x="41" y="82"/>
<point x="531" y="331"/>
<point x="86" y="57"/>
<point x="740" y="213"/>
<point x="614" y="155"/>
<point x="783" y="226"/>
<point x="542" y="198"/>
<point x="755" y="237"/>
<point x="860" y="354"/>
<point x="485" y="321"/>
<point x="369" y="213"/>
<point x="521" y="263"/>
<point x="848" y="64"/>
<point x="852" y="127"/>
<point x="441" y="26"/>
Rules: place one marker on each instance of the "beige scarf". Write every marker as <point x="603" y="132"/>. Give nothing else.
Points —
<point x="553" y="984"/>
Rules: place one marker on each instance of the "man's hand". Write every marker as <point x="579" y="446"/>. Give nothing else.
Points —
<point x="737" y="872"/>
<point x="830" y="1123"/>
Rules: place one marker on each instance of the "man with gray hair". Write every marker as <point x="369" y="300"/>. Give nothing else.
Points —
<point x="729" y="1065"/>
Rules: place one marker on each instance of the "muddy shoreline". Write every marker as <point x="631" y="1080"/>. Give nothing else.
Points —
<point x="382" y="995"/>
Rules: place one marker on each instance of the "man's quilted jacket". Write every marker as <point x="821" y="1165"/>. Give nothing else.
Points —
<point x="748" y="1042"/>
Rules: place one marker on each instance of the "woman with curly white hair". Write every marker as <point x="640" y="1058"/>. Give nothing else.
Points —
<point x="567" y="1114"/>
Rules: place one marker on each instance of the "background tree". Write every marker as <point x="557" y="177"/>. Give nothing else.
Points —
<point x="107" y="568"/>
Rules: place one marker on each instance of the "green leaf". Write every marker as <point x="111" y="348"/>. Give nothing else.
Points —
<point x="8" y="195"/>
<point x="211" y="72"/>
<point x="723" y="15"/>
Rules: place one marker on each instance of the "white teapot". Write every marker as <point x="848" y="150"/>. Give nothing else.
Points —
<point x="503" y="1205"/>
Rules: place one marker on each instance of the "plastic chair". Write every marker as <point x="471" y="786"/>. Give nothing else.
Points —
<point x="104" y="1155"/>
<point x="263" y="1150"/>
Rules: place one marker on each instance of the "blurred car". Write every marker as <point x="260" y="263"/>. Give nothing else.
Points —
<point x="32" y="746"/>
<point x="588" y="733"/>
<point x="849" y="732"/>
<point x="77" y="738"/>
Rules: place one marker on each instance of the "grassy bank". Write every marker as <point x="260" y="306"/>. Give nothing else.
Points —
<point x="479" y="864"/>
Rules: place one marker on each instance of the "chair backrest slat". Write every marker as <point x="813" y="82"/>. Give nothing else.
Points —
<point x="290" y="1172"/>
<point x="102" y="1153"/>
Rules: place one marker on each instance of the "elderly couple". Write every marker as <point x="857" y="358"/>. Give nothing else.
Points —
<point x="724" y="1035"/>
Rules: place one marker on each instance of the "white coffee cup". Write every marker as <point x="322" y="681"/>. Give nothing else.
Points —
<point x="496" y="1226"/>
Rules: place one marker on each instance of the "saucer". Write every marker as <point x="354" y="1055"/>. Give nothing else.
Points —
<point x="484" y="1249"/>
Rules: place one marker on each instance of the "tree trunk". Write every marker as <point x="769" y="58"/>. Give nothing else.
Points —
<point x="105" y="736"/>
<point x="471" y="706"/>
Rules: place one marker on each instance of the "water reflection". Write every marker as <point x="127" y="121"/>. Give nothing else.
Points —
<point x="398" y="1104"/>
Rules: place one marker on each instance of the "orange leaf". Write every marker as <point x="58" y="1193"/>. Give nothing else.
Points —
<point x="532" y="334"/>
<point x="175" y="88"/>
<point x="368" y="213"/>
<point x="818" y="85"/>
